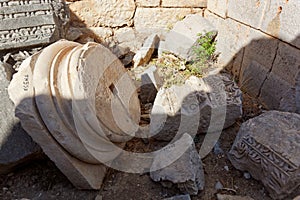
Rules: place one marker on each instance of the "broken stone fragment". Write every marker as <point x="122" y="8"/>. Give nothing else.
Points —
<point x="31" y="23"/>
<point x="16" y="146"/>
<point x="190" y="107"/>
<point x="150" y="83"/>
<point x="68" y="91"/>
<point x="184" y="35"/>
<point x="143" y="56"/>
<point x="186" y="172"/>
<point x="268" y="148"/>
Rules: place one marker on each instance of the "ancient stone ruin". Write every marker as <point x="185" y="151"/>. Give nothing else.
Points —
<point x="85" y="81"/>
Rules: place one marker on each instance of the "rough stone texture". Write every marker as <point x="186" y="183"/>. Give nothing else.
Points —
<point x="183" y="3"/>
<point x="151" y="83"/>
<point x="179" y="197"/>
<point x="159" y="19"/>
<point x="231" y="197"/>
<point x="143" y="56"/>
<point x="282" y="77"/>
<point x="16" y="146"/>
<point x="231" y="39"/>
<point x="186" y="172"/>
<point x="288" y="101"/>
<point x="184" y="35"/>
<point x="273" y="18"/>
<point x="218" y="6"/>
<point x="146" y="3"/>
<point x="127" y="40"/>
<point x="258" y="60"/>
<point x="28" y="23"/>
<point x="111" y="13"/>
<point x="188" y="108"/>
<point x="272" y="157"/>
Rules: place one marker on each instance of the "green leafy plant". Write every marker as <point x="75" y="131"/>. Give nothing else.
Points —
<point x="205" y="48"/>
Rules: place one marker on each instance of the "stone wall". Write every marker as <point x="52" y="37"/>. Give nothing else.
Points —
<point x="128" y="22"/>
<point x="260" y="44"/>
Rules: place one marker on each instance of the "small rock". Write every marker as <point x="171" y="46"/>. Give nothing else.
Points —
<point x="179" y="197"/>
<point x="219" y="186"/>
<point x="247" y="175"/>
<point x="143" y="56"/>
<point x="73" y="34"/>
<point x="186" y="171"/>
<point x="217" y="149"/>
<point x="99" y="197"/>
<point x="226" y="168"/>
<point x="231" y="197"/>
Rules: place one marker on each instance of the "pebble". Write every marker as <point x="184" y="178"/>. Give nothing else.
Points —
<point x="217" y="149"/>
<point x="226" y="168"/>
<point x="247" y="175"/>
<point x="219" y="186"/>
<point x="98" y="197"/>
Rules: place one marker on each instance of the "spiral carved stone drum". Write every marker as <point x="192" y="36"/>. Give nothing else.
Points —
<point x="79" y="104"/>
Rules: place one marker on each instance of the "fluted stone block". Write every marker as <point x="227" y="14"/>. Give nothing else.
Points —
<point x="72" y="100"/>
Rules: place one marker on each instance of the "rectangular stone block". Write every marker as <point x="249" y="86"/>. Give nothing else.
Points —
<point x="272" y="91"/>
<point x="232" y="38"/>
<point x="248" y="12"/>
<point x="28" y="23"/>
<point x="282" y="77"/>
<point x="150" y="19"/>
<point x="287" y="62"/>
<point x="280" y="21"/>
<point x="257" y="61"/>
<point x="186" y="4"/>
<point x="148" y="3"/>
<point x="218" y="7"/>
<point x="272" y="17"/>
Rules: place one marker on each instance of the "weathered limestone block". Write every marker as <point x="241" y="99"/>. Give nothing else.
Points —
<point x="231" y="39"/>
<point x="109" y="13"/>
<point x="143" y="56"/>
<point x="186" y="172"/>
<point x="273" y="17"/>
<point x="272" y="157"/>
<point x="16" y="146"/>
<point x="71" y="105"/>
<point x="158" y="19"/>
<point x="147" y="3"/>
<point x="184" y="35"/>
<point x="218" y="7"/>
<point x="185" y="4"/>
<point x="257" y="62"/>
<point x="127" y="40"/>
<point x="28" y="23"/>
<point x="282" y="77"/>
<point x="188" y="108"/>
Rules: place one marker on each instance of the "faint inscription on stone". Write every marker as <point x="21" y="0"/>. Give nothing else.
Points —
<point x="30" y="22"/>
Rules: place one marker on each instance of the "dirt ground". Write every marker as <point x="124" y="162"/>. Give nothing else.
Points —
<point x="42" y="180"/>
